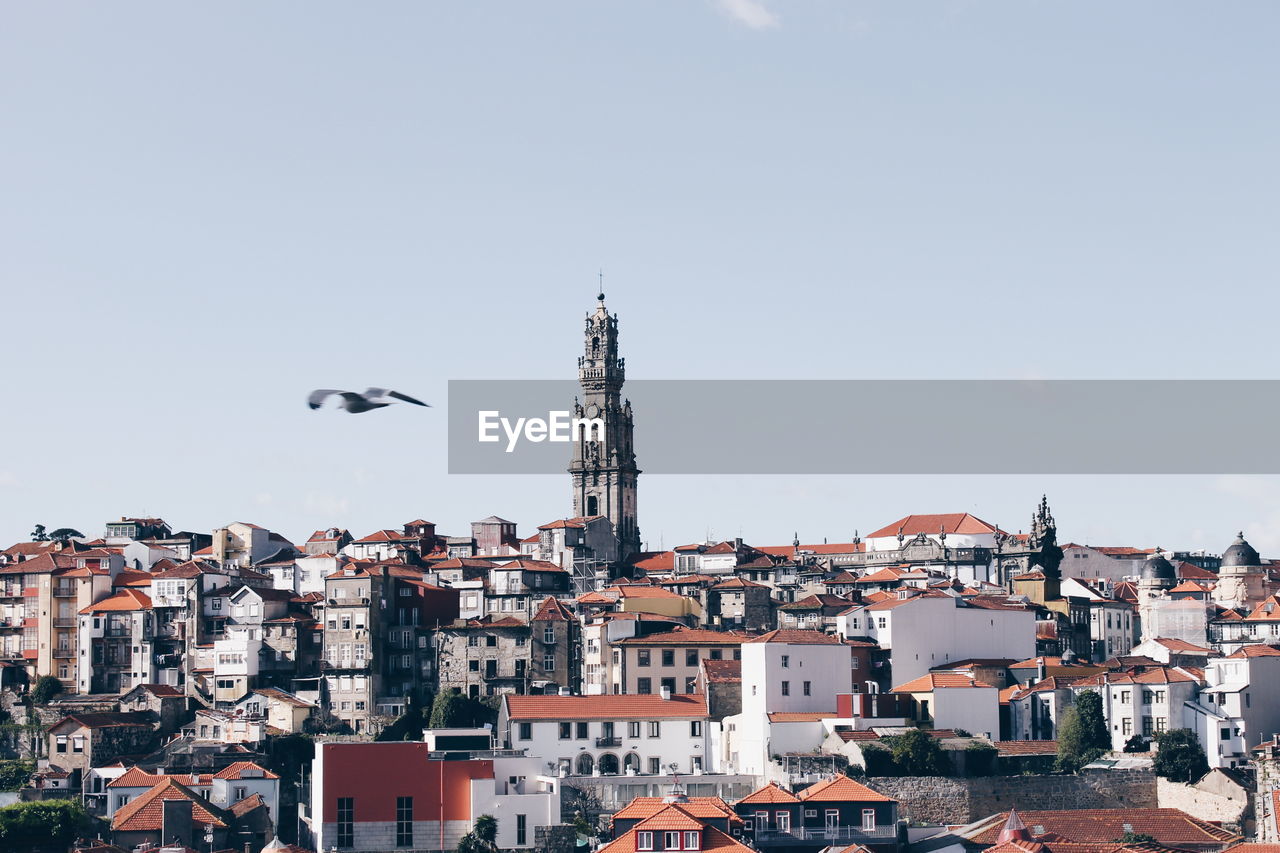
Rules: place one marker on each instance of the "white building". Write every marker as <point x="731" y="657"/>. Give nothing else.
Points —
<point x="611" y="734"/>
<point x="921" y="631"/>
<point x="1239" y="705"/>
<point x="1141" y="702"/>
<point x="790" y="681"/>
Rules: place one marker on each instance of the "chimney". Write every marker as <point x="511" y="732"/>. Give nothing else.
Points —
<point x="1041" y="670"/>
<point x="666" y="692"/>
<point x="175" y="822"/>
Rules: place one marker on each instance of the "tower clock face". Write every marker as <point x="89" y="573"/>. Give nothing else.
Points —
<point x="593" y="410"/>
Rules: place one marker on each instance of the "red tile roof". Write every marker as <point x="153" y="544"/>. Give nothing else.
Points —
<point x="842" y="789"/>
<point x="797" y="637"/>
<point x="672" y="818"/>
<point x="950" y="523"/>
<point x="799" y="716"/>
<point x="771" y="793"/>
<point x="722" y="671"/>
<point x="681" y="636"/>
<point x="713" y="841"/>
<point x="553" y="610"/>
<point x="935" y="680"/>
<point x="1167" y="826"/>
<point x="145" y="813"/>
<point x="239" y="768"/>
<point x="605" y="707"/>
<point x="700" y="807"/>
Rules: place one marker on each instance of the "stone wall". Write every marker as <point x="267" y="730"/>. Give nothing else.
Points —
<point x="942" y="800"/>
<point x="1218" y="803"/>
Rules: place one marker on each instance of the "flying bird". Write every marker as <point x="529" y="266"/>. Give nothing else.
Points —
<point x="373" y="398"/>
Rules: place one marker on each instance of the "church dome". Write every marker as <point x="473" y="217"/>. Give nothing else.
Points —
<point x="1157" y="568"/>
<point x="1241" y="553"/>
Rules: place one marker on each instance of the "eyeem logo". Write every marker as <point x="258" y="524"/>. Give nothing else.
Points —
<point x="559" y="426"/>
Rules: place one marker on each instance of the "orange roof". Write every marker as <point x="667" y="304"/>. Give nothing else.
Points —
<point x="713" y="841"/>
<point x="670" y="818"/>
<point x="552" y="610"/>
<point x="605" y="707"/>
<point x="700" y="807"/>
<point x="951" y="522"/>
<point x="771" y="793"/>
<point x="145" y="813"/>
<point x="935" y="680"/>
<point x="796" y="637"/>
<point x="236" y="771"/>
<point x="126" y="599"/>
<point x="1255" y="651"/>
<point x="842" y="789"/>
<point x="1172" y="827"/>
<point x="136" y="777"/>
<point x="799" y="716"/>
<point x="681" y="636"/>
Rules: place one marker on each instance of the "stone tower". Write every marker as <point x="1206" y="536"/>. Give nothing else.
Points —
<point x="604" y="471"/>
<point x="1157" y="578"/>
<point x="1046" y="554"/>
<point x="1241" y="577"/>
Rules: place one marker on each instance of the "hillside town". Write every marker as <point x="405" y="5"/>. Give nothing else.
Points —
<point x="940" y="683"/>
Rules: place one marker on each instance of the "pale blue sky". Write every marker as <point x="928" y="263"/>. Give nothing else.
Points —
<point x="206" y="210"/>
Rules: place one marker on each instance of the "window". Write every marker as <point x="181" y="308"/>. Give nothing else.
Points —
<point x="62" y="743"/>
<point x="691" y="841"/>
<point x="526" y="731"/>
<point x="691" y="657"/>
<point x="881" y="622"/>
<point x="644" y="685"/>
<point x="1161" y="724"/>
<point x="238" y="793"/>
<point x="783" y="820"/>
<point x="695" y="728"/>
<point x="77" y="745"/>
<point x="691" y="684"/>
<point x="786" y="688"/>
<point x="655" y="766"/>
<point x="868" y="820"/>
<point x="1159" y="697"/>
<point x="1226" y="735"/>
<point x="655" y="728"/>
<point x="404" y="821"/>
<point x="668" y="657"/>
<point x="1126" y="726"/>
<point x="633" y="728"/>
<point x="807" y="690"/>
<point x="1125" y="697"/>
<point x="810" y="812"/>
<point x="786" y="661"/>
<point x="491" y="640"/>
<point x="716" y="654"/>
<point x="644" y="840"/>
<point x="582" y="731"/>
<point x="346" y="821"/>
<point x="566" y="731"/>
<point x="1147" y="697"/>
<point x="1148" y="726"/>
<point x="522" y="830"/>
<point x="671" y="840"/>
<point x="669" y="684"/>
<point x="642" y="657"/>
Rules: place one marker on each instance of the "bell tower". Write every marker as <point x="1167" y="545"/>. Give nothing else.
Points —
<point x="604" y="468"/>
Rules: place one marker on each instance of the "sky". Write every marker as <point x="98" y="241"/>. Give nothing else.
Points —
<point x="207" y="210"/>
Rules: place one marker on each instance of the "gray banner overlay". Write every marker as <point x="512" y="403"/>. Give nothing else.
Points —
<point x="888" y="426"/>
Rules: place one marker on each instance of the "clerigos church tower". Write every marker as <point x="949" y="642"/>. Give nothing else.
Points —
<point x="604" y="472"/>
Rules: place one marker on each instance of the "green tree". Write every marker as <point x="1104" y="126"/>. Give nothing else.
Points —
<point x="46" y="688"/>
<point x="62" y="534"/>
<point x="1082" y="735"/>
<point x="15" y="774"/>
<point x="38" y="535"/>
<point x="980" y="759"/>
<point x="917" y="753"/>
<point x="449" y="710"/>
<point x="482" y="837"/>
<point x="1137" y="743"/>
<point x="47" y="825"/>
<point x="1136" y="838"/>
<point x="1179" y="756"/>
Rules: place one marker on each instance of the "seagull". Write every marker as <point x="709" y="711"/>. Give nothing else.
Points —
<point x="373" y="398"/>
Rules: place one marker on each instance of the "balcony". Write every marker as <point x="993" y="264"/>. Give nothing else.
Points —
<point x="64" y="654"/>
<point x="64" y="622"/>
<point x="10" y="591"/>
<point x="608" y="742"/>
<point x="64" y="592"/>
<point x="831" y="834"/>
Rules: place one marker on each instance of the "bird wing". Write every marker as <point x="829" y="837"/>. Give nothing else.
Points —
<point x="318" y="397"/>
<point x="407" y="398"/>
<point x="375" y="393"/>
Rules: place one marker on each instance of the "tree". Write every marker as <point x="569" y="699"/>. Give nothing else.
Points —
<point x="1082" y="736"/>
<point x="917" y="753"/>
<point x="449" y="710"/>
<point x="980" y="759"/>
<point x="1179" y="756"/>
<point x="46" y="688"/>
<point x="1136" y="838"/>
<point x="1137" y="743"/>
<point x="62" y="534"/>
<point x="14" y="774"/>
<point x="47" y="825"/>
<point x="482" y="837"/>
<point x="38" y="535"/>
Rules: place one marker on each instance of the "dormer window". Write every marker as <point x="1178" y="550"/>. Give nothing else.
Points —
<point x="693" y="840"/>
<point x="671" y="841"/>
<point x="644" y="840"/>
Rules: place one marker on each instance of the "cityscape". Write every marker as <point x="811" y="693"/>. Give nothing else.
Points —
<point x="938" y="684"/>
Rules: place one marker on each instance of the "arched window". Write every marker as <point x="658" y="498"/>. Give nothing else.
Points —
<point x="631" y="763"/>
<point x="593" y="505"/>
<point x="586" y="764"/>
<point x="608" y="764"/>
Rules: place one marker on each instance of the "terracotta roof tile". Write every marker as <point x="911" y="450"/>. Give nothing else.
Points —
<point x="605" y="707"/>
<point x="842" y="789"/>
